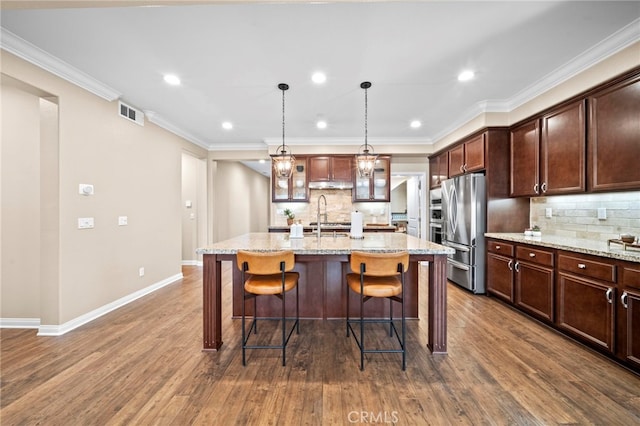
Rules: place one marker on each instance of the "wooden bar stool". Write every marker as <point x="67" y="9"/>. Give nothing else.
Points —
<point x="376" y="275"/>
<point x="268" y="273"/>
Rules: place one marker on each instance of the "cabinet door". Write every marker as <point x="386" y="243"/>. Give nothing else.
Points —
<point x="342" y="168"/>
<point x="630" y="301"/>
<point x="585" y="310"/>
<point x="525" y="151"/>
<point x="563" y="147"/>
<point x="500" y="276"/>
<point x="299" y="188"/>
<point x="614" y="135"/>
<point x="438" y="170"/>
<point x="534" y="289"/>
<point x="474" y="154"/>
<point x="456" y="161"/>
<point x="319" y="169"/>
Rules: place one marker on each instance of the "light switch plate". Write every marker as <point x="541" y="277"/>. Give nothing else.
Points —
<point x="85" y="189"/>
<point x="547" y="212"/>
<point x="85" y="223"/>
<point x="602" y="213"/>
<point x="122" y="220"/>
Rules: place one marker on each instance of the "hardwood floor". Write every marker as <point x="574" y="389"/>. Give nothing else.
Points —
<point x="143" y="364"/>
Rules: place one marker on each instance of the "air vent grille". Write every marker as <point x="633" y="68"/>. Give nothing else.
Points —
<point x="130" y="113"/>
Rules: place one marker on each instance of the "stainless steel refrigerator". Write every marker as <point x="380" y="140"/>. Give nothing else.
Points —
<point x="464" y="209"/>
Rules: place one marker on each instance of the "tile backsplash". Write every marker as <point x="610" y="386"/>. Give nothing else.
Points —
<point x="577" y="215"/>
<point x="339" y="208"/>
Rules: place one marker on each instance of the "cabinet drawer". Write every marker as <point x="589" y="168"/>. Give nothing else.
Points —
<point x="631" y="276"/>
<point x="528" y="254"/>
<point x="587" y="267"/>
<point x="500" y="247"/>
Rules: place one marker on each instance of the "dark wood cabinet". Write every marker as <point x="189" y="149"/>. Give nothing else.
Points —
<point x="586" y="294"/>
<point x="295" y="188"/>
<point x="563" y="150"/>
<point x="535" y="282"/>
<point x="614" y="137"/>
<point x="628" y="324"/>
<point x="548" y="155"/>
<point x="500" y="278"/>
<point x="331" y="168"/>
<point x="376" y="187"/>
<point x="438" y="169"/>
<point x="467" y="157"/>
<point x="525" y="159"/>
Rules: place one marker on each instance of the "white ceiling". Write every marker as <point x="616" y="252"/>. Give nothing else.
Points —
<point x="230" y="57"/>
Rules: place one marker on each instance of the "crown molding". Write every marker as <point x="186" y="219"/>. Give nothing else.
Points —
<point x="160" y="121"/>
<point x="33" y="54"/>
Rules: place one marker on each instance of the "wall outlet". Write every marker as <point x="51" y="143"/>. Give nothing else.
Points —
<point x="141" y="271"/>
<point x="547" y="212"/>
<point x="602" y="213"/>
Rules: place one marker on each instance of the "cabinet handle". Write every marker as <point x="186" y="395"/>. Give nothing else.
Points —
<point x="510" y="265"/>
<point x="609" y="295"/>
<point x="623" y="299"/>
<point x="497" y="247"/>
<point x="532" y="255"/>
<point x="517" y="266"/>
<point x="462" y="168"/>
<point x="535" y="188"/>
<point x="543" y="187"/>
<point x="582" y="266"/>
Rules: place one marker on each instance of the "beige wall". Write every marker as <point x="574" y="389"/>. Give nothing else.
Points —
<point x="240" y="201"/>
<point x="194" y="218"/>
<point x="136" y="172"/>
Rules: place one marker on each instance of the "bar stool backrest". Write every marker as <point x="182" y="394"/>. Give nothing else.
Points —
<point x="379" y="264"/>
<point x="266" y="263"/>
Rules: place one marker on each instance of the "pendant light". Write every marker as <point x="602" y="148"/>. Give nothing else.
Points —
<point x="365" y="158"/>
<point x="283" y="161"/>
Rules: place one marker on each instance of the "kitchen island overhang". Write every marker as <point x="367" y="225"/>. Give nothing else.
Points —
<point x="323" y="262"/>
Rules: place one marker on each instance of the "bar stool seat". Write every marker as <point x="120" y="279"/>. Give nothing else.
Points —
<point x="378" y="275"/>
<point x="268" y="273"/>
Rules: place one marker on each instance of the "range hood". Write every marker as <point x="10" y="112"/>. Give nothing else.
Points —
<point x="331" y="185"/>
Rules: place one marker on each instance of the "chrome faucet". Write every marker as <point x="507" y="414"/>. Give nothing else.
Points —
<point x="319" y="216"/>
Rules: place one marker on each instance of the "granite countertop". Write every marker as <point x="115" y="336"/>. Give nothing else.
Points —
<point x="333" y="227"/>
<point x="341" y="244"/>
<point x="578" y="245"/>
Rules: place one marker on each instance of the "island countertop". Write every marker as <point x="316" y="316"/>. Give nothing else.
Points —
<point x="578" y="245"/>
<point x="327" y="244"/>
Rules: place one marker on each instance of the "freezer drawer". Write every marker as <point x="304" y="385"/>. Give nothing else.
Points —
<point x="467" y="276"/>
<point x="463" y="254"/>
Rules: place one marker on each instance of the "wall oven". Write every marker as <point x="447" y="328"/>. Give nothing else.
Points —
<point x="435" y="215"/>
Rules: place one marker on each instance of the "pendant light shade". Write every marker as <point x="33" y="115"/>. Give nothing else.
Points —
<point x="283" y="160"/>
<point x="365" y="158"/>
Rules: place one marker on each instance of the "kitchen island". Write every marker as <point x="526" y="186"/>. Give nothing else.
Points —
<point x="322" y="263"/>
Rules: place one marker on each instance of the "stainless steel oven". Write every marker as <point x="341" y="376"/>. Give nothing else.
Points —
<point x="435" y="232"/>
<point x="435" y="215"/>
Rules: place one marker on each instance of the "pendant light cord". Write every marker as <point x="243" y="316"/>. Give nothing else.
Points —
<point x="366" y="103"/>
<point x="283" y="150"/>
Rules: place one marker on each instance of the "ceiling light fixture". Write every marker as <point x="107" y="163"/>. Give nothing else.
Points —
<point x="365" y="158"/>
<point x="227" y="125"/>
<point x="466" y="75"/>
<point x="283" y="162"/>
<point x="415" y="124"/>
<point x="172" y="79"/>
<point x="319" y="77"/>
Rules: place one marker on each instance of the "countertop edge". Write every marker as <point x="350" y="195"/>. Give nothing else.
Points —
<point x="577" y="245"/>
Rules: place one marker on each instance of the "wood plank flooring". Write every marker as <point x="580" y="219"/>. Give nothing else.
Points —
<point x="142" y="364"/>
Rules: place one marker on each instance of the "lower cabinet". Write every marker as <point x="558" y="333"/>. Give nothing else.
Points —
<point x="534" y="281"/>
<point x="593" y="299"/>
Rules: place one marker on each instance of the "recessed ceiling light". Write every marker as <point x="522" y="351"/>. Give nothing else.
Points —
<point x="415" y="124"/>
<point x="466" y="75"/>
<point x="321" y="124"/>
<point x="172" y="79"/>
<point x="227" y="125"/>
<point x="262" y="161"/>
<point x="319" y="77"/>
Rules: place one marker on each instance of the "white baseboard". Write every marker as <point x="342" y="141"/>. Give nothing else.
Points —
<point x="192" y="263"/>
<point x="58" y="330"/>
<point x="19" y="322"/>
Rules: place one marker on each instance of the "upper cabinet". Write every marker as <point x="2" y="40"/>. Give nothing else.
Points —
<point x="376" y="187"/>
<point x="337" y="168"/>
<point x="614" y="137"/>
<point x="548" y="154"/>
<point x="467" y="157"/>
<point x="295" y="188"/>
<point x="438" y="169"/>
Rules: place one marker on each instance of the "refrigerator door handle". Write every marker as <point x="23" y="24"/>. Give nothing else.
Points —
<point x="458" y="266"/>
<point x="458" y="247"/>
